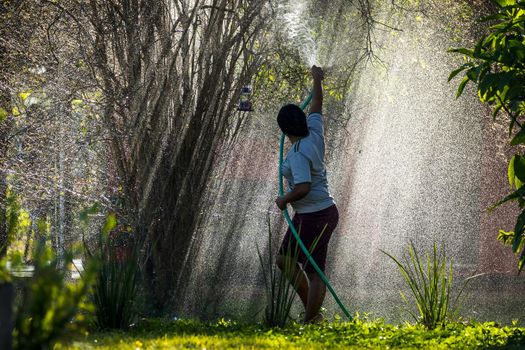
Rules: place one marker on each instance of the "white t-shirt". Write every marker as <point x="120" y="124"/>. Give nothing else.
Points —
<point x="304" y="162"/>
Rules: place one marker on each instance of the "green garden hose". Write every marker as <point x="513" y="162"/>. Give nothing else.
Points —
<point x="296" y="235"/>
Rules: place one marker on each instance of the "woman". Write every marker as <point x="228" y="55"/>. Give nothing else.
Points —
<point x="316" y="214"/>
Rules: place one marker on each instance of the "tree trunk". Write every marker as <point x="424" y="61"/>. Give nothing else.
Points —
<point x="6" y="315"/>
<point x="3" y="224"/>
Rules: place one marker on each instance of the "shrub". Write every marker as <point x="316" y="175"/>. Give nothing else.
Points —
<point x="430" y="286"/>
<point x="115" y="289"/>
<point x="496" y="65"/>
<point x="49" y="302"/>
<point x="280" y="293"/>
<point x="280" y="285"/>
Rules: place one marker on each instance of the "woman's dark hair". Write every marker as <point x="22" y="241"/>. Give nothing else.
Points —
<point x="292" y="121"/>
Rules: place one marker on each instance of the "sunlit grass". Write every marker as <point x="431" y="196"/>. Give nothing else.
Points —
<point x="358" y="334"/>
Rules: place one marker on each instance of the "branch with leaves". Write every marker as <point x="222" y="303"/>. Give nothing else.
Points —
<point x="496" y="65"/>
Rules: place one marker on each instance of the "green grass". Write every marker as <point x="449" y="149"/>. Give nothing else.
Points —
<point x="358" y="334"/>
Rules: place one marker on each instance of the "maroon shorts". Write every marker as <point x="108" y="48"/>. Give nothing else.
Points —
<point x="309" y="226"/>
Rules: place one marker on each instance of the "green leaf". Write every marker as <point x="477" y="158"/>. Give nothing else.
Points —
<point x="519" y="170"/>
<point x="464" y="51"/>
<point x="514" y="195"/>
<point x="503" y="92"/>
<point x="457" y="71"/>
<point x="3" y="114"/>
<point x="109" y="225"/>
<point x="519" y="138"/>
<point x="496" y="16"/>
<point x="76" y="102"/>
<point x="521" y="262"/>
<point x="505" y="237"/>
<point x="477" y="49"/>
<point x="516" y="50"/>
<point x="493" y="84"/>
<point x="486" y="88"/>
<point x="518" y="183"/>
<point x="504" y="3"/>
<point x="518" y="232"/>
<point x="496" y="110"/>
<point x="510" y="171"/>
<point x="24" y="95"/>
<point x="461" y="86"/>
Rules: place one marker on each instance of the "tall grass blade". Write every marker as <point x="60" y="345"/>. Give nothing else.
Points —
<point x="429" y="281"/>
<point x="280" y="286"/>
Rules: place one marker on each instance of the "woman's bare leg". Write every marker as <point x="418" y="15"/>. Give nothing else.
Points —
<point x="316" y="294"/>
<point x="296" y="275"/>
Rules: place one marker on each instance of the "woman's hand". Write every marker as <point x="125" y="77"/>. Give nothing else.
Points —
<point x="317" y="73"/>
<point x="281" y="203"/>
<point x="317" y="91"/>
<point x="299" y="192"/>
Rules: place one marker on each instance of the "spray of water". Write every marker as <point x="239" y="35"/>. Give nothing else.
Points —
<point x="294" y="17"/>
<point x="407" y="166"/>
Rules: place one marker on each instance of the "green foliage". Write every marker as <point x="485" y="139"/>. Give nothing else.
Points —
<point x="49" y="302"/>
<point x="17" y="222"/>
<point x="282" y="77"/>
<point x="429" y="285"/>
<point x="503" y="3"/>
<point x="115" y="288"/>
<point x="5" y="276"/>
<point x="15" y="260"/>
<point x="285" y="78"/>
<point x="496" y="65"/>
<point x="24" y="95"/>
<point x="12" y="216"/>
<point x="280" y="285"/>
<point x="3" y="114"/>
<point x="280" y="293"/>
<point x="358" y="334"/>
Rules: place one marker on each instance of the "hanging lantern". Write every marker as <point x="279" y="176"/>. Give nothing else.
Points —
<point x="245" y="105"/>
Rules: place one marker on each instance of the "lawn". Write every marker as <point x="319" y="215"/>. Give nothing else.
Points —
<point x="359" y="334"/>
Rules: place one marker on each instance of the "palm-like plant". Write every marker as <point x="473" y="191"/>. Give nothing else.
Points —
<point x="280" y="294"/>
<point x="429" y="285"/>
<point x="280" y="285"/>
<point x="115" y="289"/>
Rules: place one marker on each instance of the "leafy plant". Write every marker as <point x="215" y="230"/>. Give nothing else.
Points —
<point x="429" y="285"/>
<point x="280" y="285"/>
<point x="49" y="302"/>
<point x="115" y="288"/>
<point x="11" y="218"/>
<point x="496" y="66"/>
<point x="280" y="293"/>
